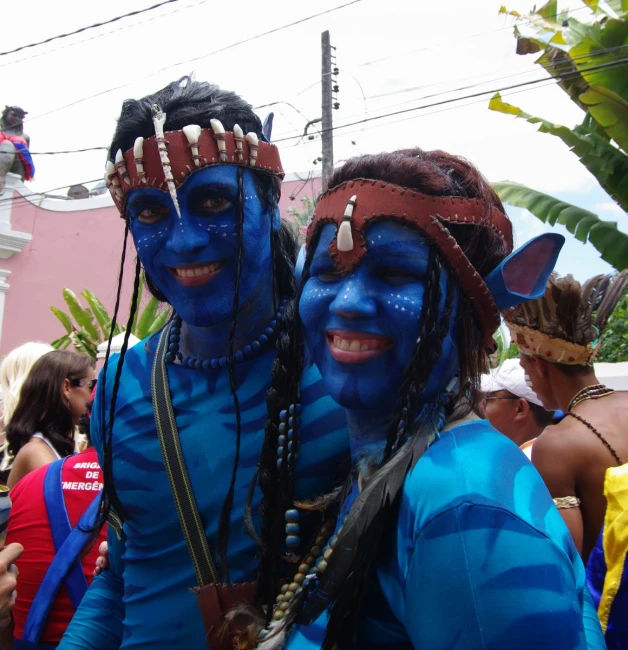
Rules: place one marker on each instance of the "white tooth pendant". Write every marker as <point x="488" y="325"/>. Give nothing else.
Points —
<point x="219" y="135"/>
<point x="345" y="237"/>
<point x="238" y="136"/>
<point x="138" y="155"/>
<point x="159" y="119"/>
<point x="193" y="133"/>
<point x="253" y="142"/>
<point x="120" y="166"/>
<point x="112" y="180"/>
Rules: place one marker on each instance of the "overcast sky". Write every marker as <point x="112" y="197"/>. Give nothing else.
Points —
<point x="393" y="55"/>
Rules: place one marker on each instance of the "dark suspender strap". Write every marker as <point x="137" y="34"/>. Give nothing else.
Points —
<point x="60" y="527"/>
<point x="64" y="560"/>
<point x="189" y="517"/>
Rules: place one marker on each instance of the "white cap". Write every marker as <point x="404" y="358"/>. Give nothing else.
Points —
<point x="509" y="376"/>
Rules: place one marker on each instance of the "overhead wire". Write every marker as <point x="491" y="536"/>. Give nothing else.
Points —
<point x="88" y="27"/>
<point x="97" y="36"/>
<point x="202" y="56"/>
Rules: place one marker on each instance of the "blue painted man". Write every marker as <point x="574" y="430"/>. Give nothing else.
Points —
<point x="179" y="421"/>
<point x="445" y="536"/>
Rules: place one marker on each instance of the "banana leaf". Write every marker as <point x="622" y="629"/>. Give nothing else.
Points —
<point x="139" y="302"/>
<point x="610" y="111"/>
<point x="100" y="313"/>
<point x="62" y="343"/>
<point x="83" y="317"/>
<point x="611" y="243"/>
<point x="160" y="320"/>
<point x="64" y="318"/>
<point x="603" y="159"/>
<point x="146" y="320"/>
<point x="83" y="344"/>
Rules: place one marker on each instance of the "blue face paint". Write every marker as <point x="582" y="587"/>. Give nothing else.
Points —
<point x="194" y="259"/>
<point x="361" y="328"/>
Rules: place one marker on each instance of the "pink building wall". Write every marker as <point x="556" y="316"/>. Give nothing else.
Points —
<point x="74" y="244"/>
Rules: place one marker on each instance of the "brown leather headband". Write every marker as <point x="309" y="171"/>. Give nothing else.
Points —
<point x="377" y="200"/>
<point x="146" y="170"/>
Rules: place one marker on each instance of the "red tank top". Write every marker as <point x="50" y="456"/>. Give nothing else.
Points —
<point x="28" y="525"/>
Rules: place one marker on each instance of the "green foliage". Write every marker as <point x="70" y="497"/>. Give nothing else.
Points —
<point x="588" y="60"/>
<point x="586" y="226"/>
<point x="614" y="347"/>
<point x="302" y="217"/>
<point x="87" y="327"/>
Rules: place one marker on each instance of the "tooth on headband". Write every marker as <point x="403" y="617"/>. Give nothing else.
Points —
<point x="253" y="141"/>
<point x="120" y="166"/>
<point x="138" y="156"/>
<point x="238" y="136"/>
<point x="193" y="133"/>
<point x="159" y="119"/>
<point x="111" y="178"/>
<point x="219" y="135"/>
<point x="345" y="238"/>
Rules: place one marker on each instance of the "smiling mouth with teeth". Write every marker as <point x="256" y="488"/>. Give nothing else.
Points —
<point x="356" y="347"/>
<point x="195" y="274"/>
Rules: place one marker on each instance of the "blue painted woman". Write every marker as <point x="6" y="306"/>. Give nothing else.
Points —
<point x="184" y="414"/>
<point x="444" y="535"/>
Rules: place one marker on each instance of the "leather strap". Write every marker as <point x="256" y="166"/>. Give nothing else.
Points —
<point x="168" y="434"/>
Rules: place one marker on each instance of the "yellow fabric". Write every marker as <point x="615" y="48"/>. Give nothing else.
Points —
<point x="615" y="538"/>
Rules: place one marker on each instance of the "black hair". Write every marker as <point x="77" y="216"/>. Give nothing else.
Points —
<point x="186" y="101"/>
<point x="542" y="417"/>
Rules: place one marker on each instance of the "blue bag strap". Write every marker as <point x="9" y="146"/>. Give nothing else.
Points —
<point x="60" y="527"/>
<point x="59" y="568"/>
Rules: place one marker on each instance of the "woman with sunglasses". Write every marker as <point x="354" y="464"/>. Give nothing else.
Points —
<point x="54" y="396"/>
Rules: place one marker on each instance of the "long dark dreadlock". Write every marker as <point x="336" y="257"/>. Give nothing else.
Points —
<point x="186" y="101"/>
<point x="344" y="582"/>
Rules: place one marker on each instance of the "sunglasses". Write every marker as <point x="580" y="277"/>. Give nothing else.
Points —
<point x="87" y="383"/>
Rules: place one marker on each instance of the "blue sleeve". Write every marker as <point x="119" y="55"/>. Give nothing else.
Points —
<point x="480" y="577"/>
<point x="97" y="624"/>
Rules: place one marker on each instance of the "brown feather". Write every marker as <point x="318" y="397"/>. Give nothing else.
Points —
<point x="610" y="299"/>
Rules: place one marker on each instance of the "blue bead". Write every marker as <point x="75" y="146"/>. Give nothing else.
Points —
<point x="290" y="434"/>
<point x="401" y="426"/>
<point x="293" y="540"/>
<point x="289" y="457"/>
<point x="292" y="515"/>
<point x="256" y="345"/>
<point x="262" y="634"/>
<point x="263" y="339"/>
<point x="207" y="364"/>
<point x="282" y="440"/>
<point x="279" y="463"/>
<point x="247" y="350"/>
<point x="239" y="355"/>
<point x="191" y="362"/>
<point x="270" y="332"/>
<point x="175" y="336"/>
<point x="173" y="347"/>
<point x="273" y="324"/>
<point x="290" y="446"/>
<point x="198" y="364"/>
<point x="280" y="451"/>
<point x="282" y="427"/>
<point x="214" y="363"/>
<point x="223" y="362"/>
<point x="293" y="529"/>
<point x="290" y="422"/>
<point x="170" y="357"/>
<point x="283" y="416"/>
<point x="184" y="361"/>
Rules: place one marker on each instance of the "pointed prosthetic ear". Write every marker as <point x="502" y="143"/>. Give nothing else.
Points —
<point x="523" y="275"/>
<point x="267" y="128"/>
<point x="298" y="268"/>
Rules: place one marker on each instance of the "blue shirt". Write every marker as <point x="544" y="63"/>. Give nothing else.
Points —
<point x="479" y="558"/>
<point x="144" y="600"/>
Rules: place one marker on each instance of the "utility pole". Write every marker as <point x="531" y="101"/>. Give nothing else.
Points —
<point x="327" y="134"/>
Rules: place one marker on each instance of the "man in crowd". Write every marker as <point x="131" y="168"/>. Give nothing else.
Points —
<point x="180" y="421"/>
<point x="512" y="407"/>
<point x="581" y="458"/>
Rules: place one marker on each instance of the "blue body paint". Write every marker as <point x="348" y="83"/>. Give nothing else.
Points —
<point x="478" y="557"/>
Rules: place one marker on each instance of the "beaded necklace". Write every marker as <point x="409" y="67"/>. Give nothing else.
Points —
<point x="254" y="349"/>
<point x="594" y="391"/>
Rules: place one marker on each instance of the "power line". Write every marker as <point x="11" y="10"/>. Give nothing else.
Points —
<point x="96" y="36"/>
<point x="617" y="63"/>
<point x="45" y="194"/>
<point x="84" y="29"/>
<point x="54" y="153"/>
<point x="203" y="56"/>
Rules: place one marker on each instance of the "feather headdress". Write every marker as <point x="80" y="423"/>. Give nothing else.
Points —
<point x="565" y="325"/>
